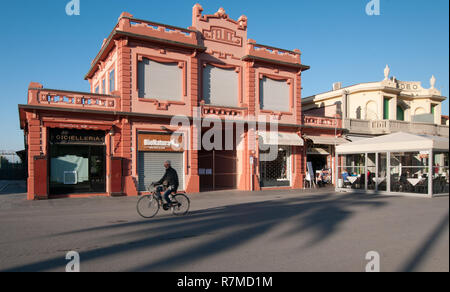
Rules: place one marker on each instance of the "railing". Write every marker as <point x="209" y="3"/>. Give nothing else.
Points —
<point x="73" y="99"/>
<point x="268" y="52"/>
<point x="158" y="30"/>
<point x="223" y="112"/>
<point x="380" y="127"/>
<point x="324" y="122"/>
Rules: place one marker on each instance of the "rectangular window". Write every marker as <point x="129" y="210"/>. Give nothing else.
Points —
<point x="400" y="113"/>
<point x="104" y="86"/>
<point x="161" y="81"/>
<point x="351" y="171"/>
<point x="97" y="90"/>
<point x="112" y="81"/>
<point x="386" y="108"/>
<point x="409" y="172"/>
<point x="274" y="95"/>
<point x="433" y="108"/>
<point x="220" y="86"/>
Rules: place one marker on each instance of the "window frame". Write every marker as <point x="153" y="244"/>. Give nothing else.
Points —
<point x="237" y="68"/>
<point x="182" y="65"/>
<point x="289" y="81"/>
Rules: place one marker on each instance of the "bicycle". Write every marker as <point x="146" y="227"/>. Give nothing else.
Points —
<point x="149" y="205"/>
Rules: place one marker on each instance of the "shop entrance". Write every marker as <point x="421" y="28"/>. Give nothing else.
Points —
<point x="77" y="162"/>
<point x="276" y="173"/>
<point x="319" y="162"/>
<point x="217" y="169"/>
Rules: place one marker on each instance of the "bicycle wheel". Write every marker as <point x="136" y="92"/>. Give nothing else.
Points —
<point x="181" y="205"/>
<point x="148" y="206"/>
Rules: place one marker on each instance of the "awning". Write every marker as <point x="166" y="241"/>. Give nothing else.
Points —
<point x="397" y="142"/>
<point x="280" y="138"/>
<point x="317" y="151"/>
<point x="353" y="138"/>
<point x="326" y="140"/>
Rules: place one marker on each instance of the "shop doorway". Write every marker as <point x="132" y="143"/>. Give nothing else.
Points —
<point x="276" y="173"/>
<point x="218" y="168"/>
<point x="319" y="162"/>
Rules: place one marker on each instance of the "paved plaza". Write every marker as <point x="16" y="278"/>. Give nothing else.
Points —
<point x="267" y="231"/>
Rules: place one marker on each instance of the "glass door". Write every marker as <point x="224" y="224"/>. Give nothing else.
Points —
<point x="97" y="166"/>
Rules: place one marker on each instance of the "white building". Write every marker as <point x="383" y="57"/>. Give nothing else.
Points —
<point x="384" y="107"/>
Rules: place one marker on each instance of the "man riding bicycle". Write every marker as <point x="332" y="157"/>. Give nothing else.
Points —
<point x="170" y="180"/>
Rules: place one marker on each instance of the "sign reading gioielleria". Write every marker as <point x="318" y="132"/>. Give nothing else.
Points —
<point x="70" y="136"/>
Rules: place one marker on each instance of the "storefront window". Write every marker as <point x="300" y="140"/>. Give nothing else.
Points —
<point x="77" y="162"/>
<point x="351" y="171"/>
<point x="371" y="171"/>
<point x="382" y="172"/>
<point x="441" y="173"/>
<point x="409" y="172"/>
<point x="276" y="173"/>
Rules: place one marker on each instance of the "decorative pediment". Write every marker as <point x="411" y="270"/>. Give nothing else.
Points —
<point x="223" y="35"/>
<point x="221" y="14"/>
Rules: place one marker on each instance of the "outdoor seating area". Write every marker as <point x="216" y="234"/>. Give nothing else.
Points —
<point x="399" y="163"/>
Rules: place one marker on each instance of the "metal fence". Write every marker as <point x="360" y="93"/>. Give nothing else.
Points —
<point x="12" y="166"/>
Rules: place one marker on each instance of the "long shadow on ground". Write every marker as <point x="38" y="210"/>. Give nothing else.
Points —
<point x="222" y="229"/>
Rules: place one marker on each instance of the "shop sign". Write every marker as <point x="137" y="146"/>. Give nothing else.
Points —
<point x="160" y="143"/>
<point x="64" y="136"/>
<point x="409" y="86"/>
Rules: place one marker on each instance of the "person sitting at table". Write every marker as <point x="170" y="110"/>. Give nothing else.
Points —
<point x="403" y="181"/>
<point x="404" y="177"/>
<point x="345" y="176"/>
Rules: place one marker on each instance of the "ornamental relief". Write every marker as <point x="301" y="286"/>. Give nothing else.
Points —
<point x="223" y="35"/>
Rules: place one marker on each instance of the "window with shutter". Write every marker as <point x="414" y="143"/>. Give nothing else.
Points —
<point x="274" y="95"/>
<point x="220" y="86"/>
<point x="161" y="81"/>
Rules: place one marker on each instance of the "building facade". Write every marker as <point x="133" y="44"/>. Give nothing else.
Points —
<point x="384" y="107"/>
<point x="373" y="109"/>
<point x="160" y="92"/>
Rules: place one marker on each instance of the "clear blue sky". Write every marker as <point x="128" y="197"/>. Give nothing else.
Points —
<point x="339" y="41"/>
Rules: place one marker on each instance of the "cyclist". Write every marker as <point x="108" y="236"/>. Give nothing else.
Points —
<point x="170" y="180"/>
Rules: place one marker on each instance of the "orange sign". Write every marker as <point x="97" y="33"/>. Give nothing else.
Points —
<point x="160" y="143"/>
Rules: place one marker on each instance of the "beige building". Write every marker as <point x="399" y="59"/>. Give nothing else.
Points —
<point x="384" y="107"/>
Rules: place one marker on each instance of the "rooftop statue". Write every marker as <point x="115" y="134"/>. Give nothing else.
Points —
<point x="387" y="71"/>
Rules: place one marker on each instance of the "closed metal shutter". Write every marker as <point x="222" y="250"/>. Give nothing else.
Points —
<point x="275" y="95"/>
<point x="220" y="86"/>
<point x="161" y="81"/>
<point x="151" y="167"/>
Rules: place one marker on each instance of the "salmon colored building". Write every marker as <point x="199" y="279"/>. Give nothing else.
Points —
<point x="114" y="139"/>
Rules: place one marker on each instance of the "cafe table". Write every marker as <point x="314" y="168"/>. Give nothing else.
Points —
<point x="415" y="181"/>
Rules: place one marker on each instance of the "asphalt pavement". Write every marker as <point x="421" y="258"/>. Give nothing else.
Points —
<point x="268" y="231"/>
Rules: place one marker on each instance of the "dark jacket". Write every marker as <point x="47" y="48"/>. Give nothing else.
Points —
<point x="171" y="177"/>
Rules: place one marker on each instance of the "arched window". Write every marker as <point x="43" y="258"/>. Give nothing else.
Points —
<point x="371" y="110"/>
<point x="419" y="111"/>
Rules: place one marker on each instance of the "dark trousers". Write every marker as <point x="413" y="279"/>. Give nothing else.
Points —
<point x="166" y="193"/>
